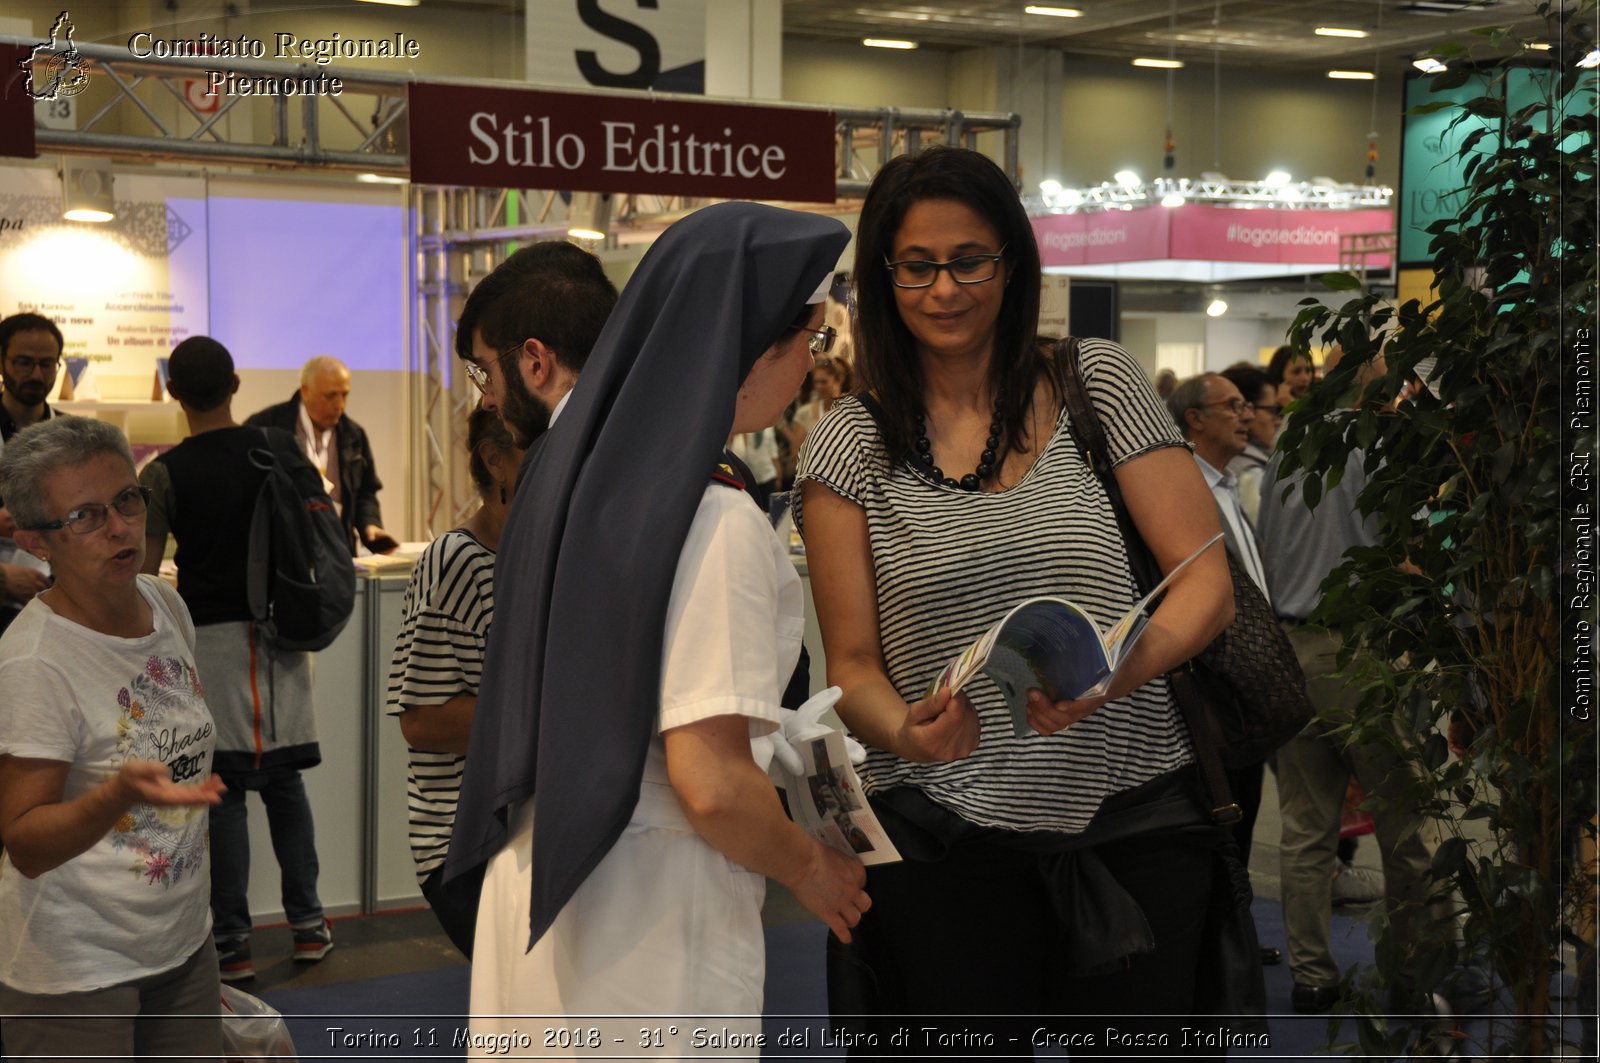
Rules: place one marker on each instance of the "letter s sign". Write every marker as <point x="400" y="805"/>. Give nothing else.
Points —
<point x="625" y="32"/>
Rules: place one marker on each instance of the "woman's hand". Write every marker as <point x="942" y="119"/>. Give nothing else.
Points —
<point x="831" y="888"/>
<point x="1047" y="717"/>
<point x="149" y="782"/>
<point x="938" y="729"/>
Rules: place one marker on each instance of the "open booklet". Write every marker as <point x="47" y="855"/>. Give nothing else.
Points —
<point x="828" y="803"/>
<point x="1054" y="645"/>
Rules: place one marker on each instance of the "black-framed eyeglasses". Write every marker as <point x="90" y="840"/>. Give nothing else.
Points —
<point x="91" y="516"/>
<point x="821" y="341"/>
<point x="967" y="269"/>
<point x="25" y="365"/>
<point x="1238" y="407"/>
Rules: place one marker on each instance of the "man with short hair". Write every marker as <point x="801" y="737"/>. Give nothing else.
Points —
<point x="336" y="445"/>
<point x="1215" y="418"/>
<point x="1302" y="547"/>
<point x="528" y="327"/>
<point x="203" y="492"/>
<point x="30" y="357"/>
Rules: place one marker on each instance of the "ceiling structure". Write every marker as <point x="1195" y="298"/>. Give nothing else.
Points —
<point x="1276" y="33"/>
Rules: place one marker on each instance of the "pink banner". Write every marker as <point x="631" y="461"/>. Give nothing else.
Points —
<point x="1304" y="237"/>
<point x="1205" y="233"/>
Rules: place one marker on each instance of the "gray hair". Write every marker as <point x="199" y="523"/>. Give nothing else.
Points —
<point x="46" y="447"/>
<point x="1189" y="395"/>
<point x="319" y="364"/>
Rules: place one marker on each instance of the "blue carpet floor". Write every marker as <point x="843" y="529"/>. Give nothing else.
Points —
<point x="421" y="1015"/>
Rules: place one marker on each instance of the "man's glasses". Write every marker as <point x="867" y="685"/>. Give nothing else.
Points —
<point x="91" y="517"/>
<point x="968" y="269"/>
<point x="1238" y="407"/>
<point x="25" y="365"/>
<point x="821" y="341"/>
<point x="479" y="378"/>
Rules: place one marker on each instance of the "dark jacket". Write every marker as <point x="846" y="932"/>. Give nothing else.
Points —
<point x="358" y="476"/>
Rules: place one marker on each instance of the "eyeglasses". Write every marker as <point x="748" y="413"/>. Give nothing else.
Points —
<point x="479" y="378"/>
<point x="25" y="365"/>
<point x="968" y="269"/>
<point x="1238" y="407"/>
<point x="91" y="517"/>
<point x="1274" y="411"/>
<point x="821" y="341"/>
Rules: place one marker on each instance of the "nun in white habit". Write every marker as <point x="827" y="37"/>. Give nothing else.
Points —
<point x="646" y="622"/>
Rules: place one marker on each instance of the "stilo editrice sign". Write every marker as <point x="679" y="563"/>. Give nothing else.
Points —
<point x="525" y="138"/>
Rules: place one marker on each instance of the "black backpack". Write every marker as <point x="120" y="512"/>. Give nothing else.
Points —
<point x="299" y="576"/>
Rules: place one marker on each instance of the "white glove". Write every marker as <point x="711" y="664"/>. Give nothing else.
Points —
<point x="804" y="725"/>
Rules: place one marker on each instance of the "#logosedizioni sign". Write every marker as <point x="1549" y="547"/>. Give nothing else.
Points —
<point x="525" y="138"/>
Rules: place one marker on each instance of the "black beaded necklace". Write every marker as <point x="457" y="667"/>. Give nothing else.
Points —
<point x="986" y="461"/>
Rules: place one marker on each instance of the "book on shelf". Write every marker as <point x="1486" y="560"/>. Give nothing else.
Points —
<point x="1055" y="646"/>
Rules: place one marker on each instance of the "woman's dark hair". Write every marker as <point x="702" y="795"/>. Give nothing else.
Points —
<point x="485" y="426"/>
<point x="886" y="354"/>
<point x="1249" y="380"/>
<point x="1280" y="362"/>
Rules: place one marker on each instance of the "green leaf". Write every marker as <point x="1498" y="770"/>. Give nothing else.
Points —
<point x="1340" y="282"/>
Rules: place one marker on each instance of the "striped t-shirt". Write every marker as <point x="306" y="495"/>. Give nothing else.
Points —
<point x="439" y="655"/>
<point x="949" y="563"/>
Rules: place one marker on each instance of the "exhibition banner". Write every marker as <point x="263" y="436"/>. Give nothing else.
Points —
<point x="123" y="292"/>
<point x="515" y="138"/>
<point x="1198" y="232"/>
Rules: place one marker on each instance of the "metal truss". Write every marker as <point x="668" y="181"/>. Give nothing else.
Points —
<point x="1301" y="195"/>
<point x="156" y="110"/>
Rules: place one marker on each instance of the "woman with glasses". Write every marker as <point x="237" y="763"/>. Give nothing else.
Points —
<point x="1037" y="878"/>
<point x="646" y="621"/>
<point x="105" y="772"/>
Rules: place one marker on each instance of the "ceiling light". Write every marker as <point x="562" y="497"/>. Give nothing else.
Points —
<point x="1173" y="199"/>
<point x="1429" y="65"/>
<point x="1335" y="31"/>
<point x="86" y="191"/>
<point x="1160" y="64"/>
<point x="1277" y="178"/>
<point x="882" y="42"/>
<point x="395" y="3"/>
<point x="1050" y="187"/>
<point x="589" y="216"/>
<point x="1537" y="46"/>
<point x="1127" y="178"/>
<point x="1053" y="12"/>
<point x="1352" y="75"/>
<point x="1590" y="61"/>
<point x="380" y="179"/>
<point x="1217" y="307"/>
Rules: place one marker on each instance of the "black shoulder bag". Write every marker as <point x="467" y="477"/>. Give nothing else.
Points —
<point x="1229" y="695"/>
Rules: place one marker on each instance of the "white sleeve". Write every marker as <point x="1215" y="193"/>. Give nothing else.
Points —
<point x="721" y="645"/>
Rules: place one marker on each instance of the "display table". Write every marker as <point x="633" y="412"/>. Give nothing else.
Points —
<point x="358" y="792"/>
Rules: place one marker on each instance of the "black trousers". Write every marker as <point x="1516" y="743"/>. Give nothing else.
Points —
<point x="965" y="957"/>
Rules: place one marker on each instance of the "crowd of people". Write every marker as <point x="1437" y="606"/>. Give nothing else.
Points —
<point x="593" y="669"/>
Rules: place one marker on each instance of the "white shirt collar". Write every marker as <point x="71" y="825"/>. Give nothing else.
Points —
<point x="559" y="406"/>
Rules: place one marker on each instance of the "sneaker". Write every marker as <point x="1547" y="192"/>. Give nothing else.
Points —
<point x="1357" y="885"/>
<point x="233" y="960"/>
<point x="313" y="942"/>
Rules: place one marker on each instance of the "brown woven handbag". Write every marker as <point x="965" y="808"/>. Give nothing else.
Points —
<point x="1250" y="690"/>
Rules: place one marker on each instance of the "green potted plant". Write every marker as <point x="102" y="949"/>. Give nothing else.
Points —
<point x="1467" y="606"/>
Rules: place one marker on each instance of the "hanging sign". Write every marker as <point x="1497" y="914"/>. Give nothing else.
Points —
<point x="516" y="138"/>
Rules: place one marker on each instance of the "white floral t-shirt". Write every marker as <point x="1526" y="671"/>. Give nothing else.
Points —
<point x="138" y="902"/>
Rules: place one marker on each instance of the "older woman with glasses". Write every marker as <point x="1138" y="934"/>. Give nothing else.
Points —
<point x="105" y="772"/>
<point x="1068" y="871"/>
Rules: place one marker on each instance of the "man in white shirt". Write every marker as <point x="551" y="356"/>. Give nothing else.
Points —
<point x="1215" y="418"/>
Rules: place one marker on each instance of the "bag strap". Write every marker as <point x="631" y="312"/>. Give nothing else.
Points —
<point x="1084" y="424"/>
